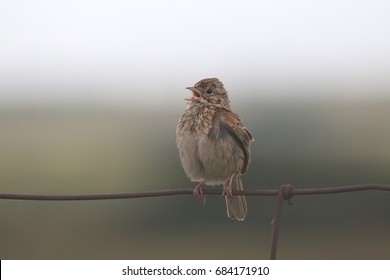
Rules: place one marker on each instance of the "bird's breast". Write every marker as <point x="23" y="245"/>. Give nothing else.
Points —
<point x="196" y="121"/>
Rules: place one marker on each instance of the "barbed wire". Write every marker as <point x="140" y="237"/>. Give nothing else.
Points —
<point x="189" y="191"/>
<point x="286" y="192"/>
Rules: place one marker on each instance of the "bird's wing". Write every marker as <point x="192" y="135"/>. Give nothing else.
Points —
<point x="226" y="123"/>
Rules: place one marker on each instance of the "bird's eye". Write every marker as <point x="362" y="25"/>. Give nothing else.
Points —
<point x="209" y="91"/>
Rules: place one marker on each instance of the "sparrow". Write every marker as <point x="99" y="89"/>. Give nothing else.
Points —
<point x="213" y="144"/>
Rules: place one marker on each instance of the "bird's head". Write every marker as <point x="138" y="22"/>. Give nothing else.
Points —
<point x="208" y="91"/>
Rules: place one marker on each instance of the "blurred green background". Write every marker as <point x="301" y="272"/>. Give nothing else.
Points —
<point x="91" y="149"/>
<point x="91" y="92"/>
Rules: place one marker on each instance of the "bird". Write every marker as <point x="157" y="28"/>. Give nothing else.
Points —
<point x="214" y="145"/>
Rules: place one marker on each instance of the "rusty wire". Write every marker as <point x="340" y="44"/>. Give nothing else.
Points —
<point x="189" y="191"/>
<point x="286" y="192"/>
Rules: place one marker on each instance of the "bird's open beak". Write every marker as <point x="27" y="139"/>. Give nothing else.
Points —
<point x="195" y="94"/>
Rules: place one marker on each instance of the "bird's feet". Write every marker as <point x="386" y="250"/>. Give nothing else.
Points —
<point x="227" y="192"/>
<point x="198" y="193"/>
<point x="227" y="189"/>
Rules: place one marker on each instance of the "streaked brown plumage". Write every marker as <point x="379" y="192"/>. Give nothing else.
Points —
<point x="213" y="143"/>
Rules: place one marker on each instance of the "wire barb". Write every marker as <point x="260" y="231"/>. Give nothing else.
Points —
<point x="288" y="192"/>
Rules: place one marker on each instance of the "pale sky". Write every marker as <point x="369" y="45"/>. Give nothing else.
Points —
<point x="142" y="50"/>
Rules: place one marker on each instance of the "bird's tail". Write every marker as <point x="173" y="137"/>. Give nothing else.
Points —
<point x="236" y="205"/>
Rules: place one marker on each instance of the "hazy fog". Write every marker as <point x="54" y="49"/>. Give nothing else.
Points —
<point x="148" y="51"/>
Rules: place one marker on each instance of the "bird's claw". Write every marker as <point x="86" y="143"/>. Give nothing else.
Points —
<point x="198" y="193"/>
<point x="228" y="193"/>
